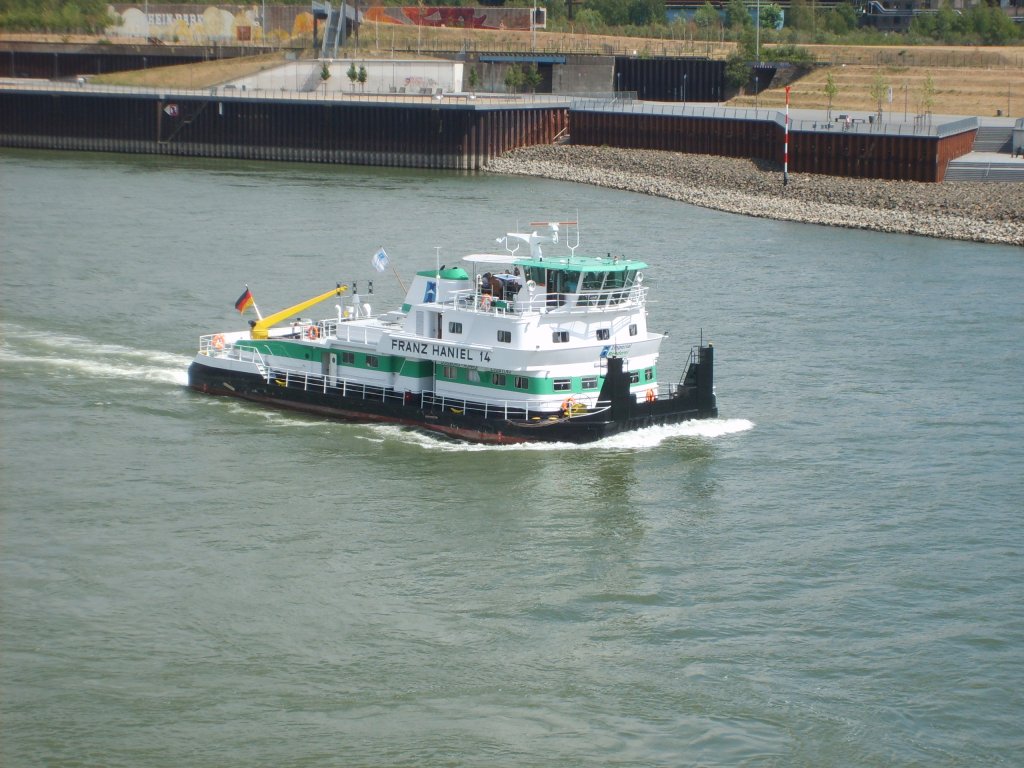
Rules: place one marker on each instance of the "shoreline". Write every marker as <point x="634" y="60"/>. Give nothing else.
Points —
<point x="984" y="212"/>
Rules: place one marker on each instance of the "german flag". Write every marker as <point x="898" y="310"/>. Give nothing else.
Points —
<point x="244" y="301"/>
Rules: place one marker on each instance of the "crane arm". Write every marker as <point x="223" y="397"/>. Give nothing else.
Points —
<point x="261" y="327"/>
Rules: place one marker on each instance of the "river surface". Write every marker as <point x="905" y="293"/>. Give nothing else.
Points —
<point x="830" y="574"/>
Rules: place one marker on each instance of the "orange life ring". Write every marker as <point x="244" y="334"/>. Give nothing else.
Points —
<point x="217" y="342"/>
<point x="313" y="333"/>
<point x="651" y="395"/>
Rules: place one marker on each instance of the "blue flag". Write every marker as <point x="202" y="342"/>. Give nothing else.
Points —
<point x="380" y="260"/>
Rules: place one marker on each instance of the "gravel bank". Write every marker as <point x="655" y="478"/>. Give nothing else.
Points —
<point x="982" y="212"/>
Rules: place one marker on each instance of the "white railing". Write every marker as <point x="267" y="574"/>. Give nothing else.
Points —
<point x="513" y="410"/>
<point x="474" y="300"/>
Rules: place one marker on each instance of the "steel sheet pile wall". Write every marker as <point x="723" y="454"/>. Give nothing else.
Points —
<point x="55" y="65"/>
<point x="864" y="154"/>
<point x="671" y="79"/>
<point x="450" y="136"/>
<point x="874" y="156"/>
<point x="694" y="135"/>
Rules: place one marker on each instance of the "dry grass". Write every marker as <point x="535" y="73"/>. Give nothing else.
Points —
<point x="200" y="75"/>
<point x="967" y="81"/>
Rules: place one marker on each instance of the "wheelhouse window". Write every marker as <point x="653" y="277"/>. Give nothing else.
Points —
<point x="590" y="382"/>
<point x="372" y="361"/>
<point x="648" y="374"/>
<point x="563" y="385"/>
<point x="505" y="336"/>
<point x="560" y="337"/>
<point x="632" y="329"/>
<point x="449" y="372"/>
<point x="634" y="377"/>
<point x="498" y="379"/>
<point x="454" y="327"/>
<point x="473" y="375"/>
<point x="522" y="382"/>
<point x="603" y="334"/>
<point x="348" y="358"/>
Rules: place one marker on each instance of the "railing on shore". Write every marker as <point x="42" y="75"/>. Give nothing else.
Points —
<point x="863" y="123"/>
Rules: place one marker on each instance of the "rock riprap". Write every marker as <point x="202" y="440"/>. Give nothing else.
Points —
<point x="978" y="211"/>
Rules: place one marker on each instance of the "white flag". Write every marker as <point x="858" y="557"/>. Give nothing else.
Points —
<point x="380" y="260"/>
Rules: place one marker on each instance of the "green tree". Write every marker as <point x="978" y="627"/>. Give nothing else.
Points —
<point x="841" y="19"/>
<point x="362" y="77"/>
<point x="532" y="77"/>
<point x="737" y="69"/>
<point x="831" y="89"/>
<point x="590" y="20"/>
<point x="879" y="90"/>
<point x="771" y="16"/>
<point x="514" y="78"/>
<point x="325" y="75"/>
<point x="927" y="95"/>
<point x="352" y="74"/>
<point x="707" y="20"/>
<point x="991" y="25"/>
<point x="800" y="16"/>
<point x="737" y="16"/>
<point x="614" y="13"/>
<point x="646" y="12"/>
<point x="474" y="79"/>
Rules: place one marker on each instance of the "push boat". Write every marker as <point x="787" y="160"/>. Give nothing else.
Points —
<point x="509" y="348"/>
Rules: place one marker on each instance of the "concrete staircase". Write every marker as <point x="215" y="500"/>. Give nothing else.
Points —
<point x="990" y="158"/>
<point x="972" y="170"/>
<point x="993" y="138"/>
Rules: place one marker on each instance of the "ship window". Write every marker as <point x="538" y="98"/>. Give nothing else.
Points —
<point x="560" y="336"/>
<point x="348" y="357"/>
<point x="634" y="377"/>
<point x="590" y="382"/>
<point x="603" y="334"/>
<point x="474" y="375"/>
<point x="563" y="385"/>
<point x="632" y="330"/>
<point x="454" y="327"/>
<point x="448" y="372"/>
<point x="522" y="382"/>
<point x="372" y="361"/>
<point x="505" y="336"/>
<point x="648" y="374"/>
<point x="498" y="379"/>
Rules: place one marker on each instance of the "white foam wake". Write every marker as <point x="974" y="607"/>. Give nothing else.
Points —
<point x="80" y="356"/>
<point x="640" y="439"/>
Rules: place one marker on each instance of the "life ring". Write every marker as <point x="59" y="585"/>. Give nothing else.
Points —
<point x="485" y="302"/>
<point x="313" y="333"/>
<point x="570" y="407"/>
<point x="651" y="395"/>
<point x="218" y="342"/>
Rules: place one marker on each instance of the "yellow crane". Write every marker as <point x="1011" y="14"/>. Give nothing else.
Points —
<point x="261" y="327"/>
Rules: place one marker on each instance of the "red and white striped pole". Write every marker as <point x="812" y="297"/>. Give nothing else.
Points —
<point x="785" y="146"/>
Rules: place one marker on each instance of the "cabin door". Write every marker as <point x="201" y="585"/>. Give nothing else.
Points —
<point x="329" y="367"/>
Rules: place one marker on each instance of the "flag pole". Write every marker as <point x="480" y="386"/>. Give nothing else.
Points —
<point x="399" y="279"/>
<point x="257" y="309"/>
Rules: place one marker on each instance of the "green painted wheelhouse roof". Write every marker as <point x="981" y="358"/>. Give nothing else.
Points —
<point x="450" y="273"/>
<point x="584" y="264"/>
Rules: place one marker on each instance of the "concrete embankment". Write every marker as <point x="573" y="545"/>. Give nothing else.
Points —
<point x="982" y="212"/>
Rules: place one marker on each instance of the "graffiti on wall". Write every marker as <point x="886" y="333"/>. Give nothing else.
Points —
<point x="227" y="23"/>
